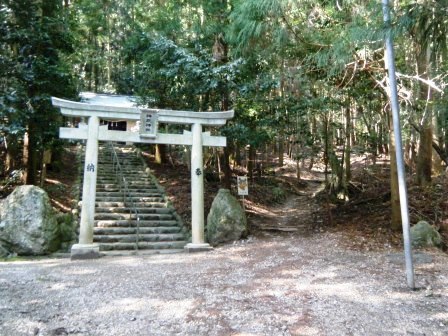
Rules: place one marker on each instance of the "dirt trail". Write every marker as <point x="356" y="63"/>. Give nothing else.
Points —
<point x="298" y="214"/>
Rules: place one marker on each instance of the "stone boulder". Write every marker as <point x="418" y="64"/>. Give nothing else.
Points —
<point x="226" y="221"/>
<point x="424" y="235"/>
<point x="28" y="224"/>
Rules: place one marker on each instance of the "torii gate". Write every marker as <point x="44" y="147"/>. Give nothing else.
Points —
<point x="123" y="108"/>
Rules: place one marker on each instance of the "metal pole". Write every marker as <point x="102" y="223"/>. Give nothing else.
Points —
<point x="398" y="146"/>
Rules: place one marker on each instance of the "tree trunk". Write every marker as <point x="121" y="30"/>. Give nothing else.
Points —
<point x="225" y="167"/>
<point x="348" y="149"/>
<point x="25" y="157"/>
<point x="31" y="155"/>
<point x="160" y="155"/>
<point x="251" y="161"/>
<point x="425" y="96"/>
<point x="424" y="156"/>
<point x="298" y="171"/>
<point x="280" y="149"/>
<point x="12" y="154"/>
<point x="314" y="135"/>
<point x="238" y="155"/>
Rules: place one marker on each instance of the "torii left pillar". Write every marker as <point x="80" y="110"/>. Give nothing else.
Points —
<point x="86" y="249"/>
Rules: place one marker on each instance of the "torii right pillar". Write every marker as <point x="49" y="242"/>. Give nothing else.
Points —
<point x="197" y="193"/>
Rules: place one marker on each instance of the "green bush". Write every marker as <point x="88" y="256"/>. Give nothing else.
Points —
<point x="278" y="194"/>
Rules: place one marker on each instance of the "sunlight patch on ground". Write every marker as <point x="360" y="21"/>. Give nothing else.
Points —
<point x="347" y="291"/>
<point x="441" y="316"/>
<point x="308" y="331"/>
<point x="168" y="309"/>
<point x="124" y="305"/>
<point x="258" y="209"/>
<point x="60" y="205"/>
<point x="56" y="182"/>
<point x="156" y="259"/>
<point x="340" y="291"/>
<point x="25" y="326"/>
<point x="60" y="286"/>
<point x="292" y="273"/>
<point x="84" y="271"/>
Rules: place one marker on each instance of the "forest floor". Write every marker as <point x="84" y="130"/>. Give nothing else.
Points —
<point x="309" y="267"/>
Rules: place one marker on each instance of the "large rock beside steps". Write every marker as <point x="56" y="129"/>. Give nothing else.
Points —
<point x="424" y="235"/>
<point x="28" y="224"/>
<point x="226" y="221"/>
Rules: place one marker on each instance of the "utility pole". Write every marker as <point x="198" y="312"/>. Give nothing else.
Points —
<point x="398" y="146"/>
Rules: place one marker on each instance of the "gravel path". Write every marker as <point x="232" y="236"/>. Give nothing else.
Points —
<point x="289" y="285"/>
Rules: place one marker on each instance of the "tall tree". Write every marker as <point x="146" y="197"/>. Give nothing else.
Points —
<point x="32" y="35"/>
<point x="426" y="23"/>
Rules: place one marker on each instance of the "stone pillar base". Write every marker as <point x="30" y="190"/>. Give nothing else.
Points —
<point x="197" y="247"/>
<point x="85" y="251"/>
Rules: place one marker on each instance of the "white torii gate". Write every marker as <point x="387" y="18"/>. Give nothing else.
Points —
<point x="112" y="108"/>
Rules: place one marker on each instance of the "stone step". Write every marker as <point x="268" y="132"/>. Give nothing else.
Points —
<point x="143" y="203"/>
<point x="143" y="183"/>
<point x="113" y="180"/>
<point x="143" y="245"/>
<point x="154" y="198"/>
<point x="132" y="193"/>
<point x="130" y="168"/>
<point x="132" y="238"/>
<point x="122" y="253"/>
<point x="136" y="204"/>
<point x="135" y="173"/>
<point x="115" y="223"/>
<point x="143" y="217"/>
<point x="101" y="189"/>
<point x="116" y="179"/>
<point x="144" y="186"/>
<point x="132" y="230"/>
<point x="104" y="223"/>
<point x="109" y="158"/>
<point x="106" y="180"/>
<point x="131" y="189"/>
<point x="107" y="187"/>
<point x="109" y="204"/>
<point x="140" y="210"/>
<point x="104" y="165"/>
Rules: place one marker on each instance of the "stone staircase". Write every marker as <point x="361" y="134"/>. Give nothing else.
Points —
<point x="140" y="223"/>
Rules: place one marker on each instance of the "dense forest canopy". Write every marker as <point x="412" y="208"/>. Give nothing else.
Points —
<point x="306" y="77"/>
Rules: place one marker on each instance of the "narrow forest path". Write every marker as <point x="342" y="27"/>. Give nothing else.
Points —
<point x="298" y="214"/>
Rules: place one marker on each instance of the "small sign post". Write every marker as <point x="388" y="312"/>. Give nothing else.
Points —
<point x="243" y="187"/>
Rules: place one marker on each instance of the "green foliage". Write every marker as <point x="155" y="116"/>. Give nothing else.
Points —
<point x="32" y="36"/>
<point x="287" y="68"/>
<point x="182" y="78"/>
<point x="278" y="194"/>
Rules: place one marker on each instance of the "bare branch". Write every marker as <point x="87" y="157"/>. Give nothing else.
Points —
<point x="428" y="82"/>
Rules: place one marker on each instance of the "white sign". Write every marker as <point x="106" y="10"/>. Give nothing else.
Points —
<point x="148" y="124"/>
<point x="243" y="185"/>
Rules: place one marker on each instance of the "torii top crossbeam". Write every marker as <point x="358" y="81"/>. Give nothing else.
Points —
<point x="109" y="107"/>
<point x="117" y="109"/>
